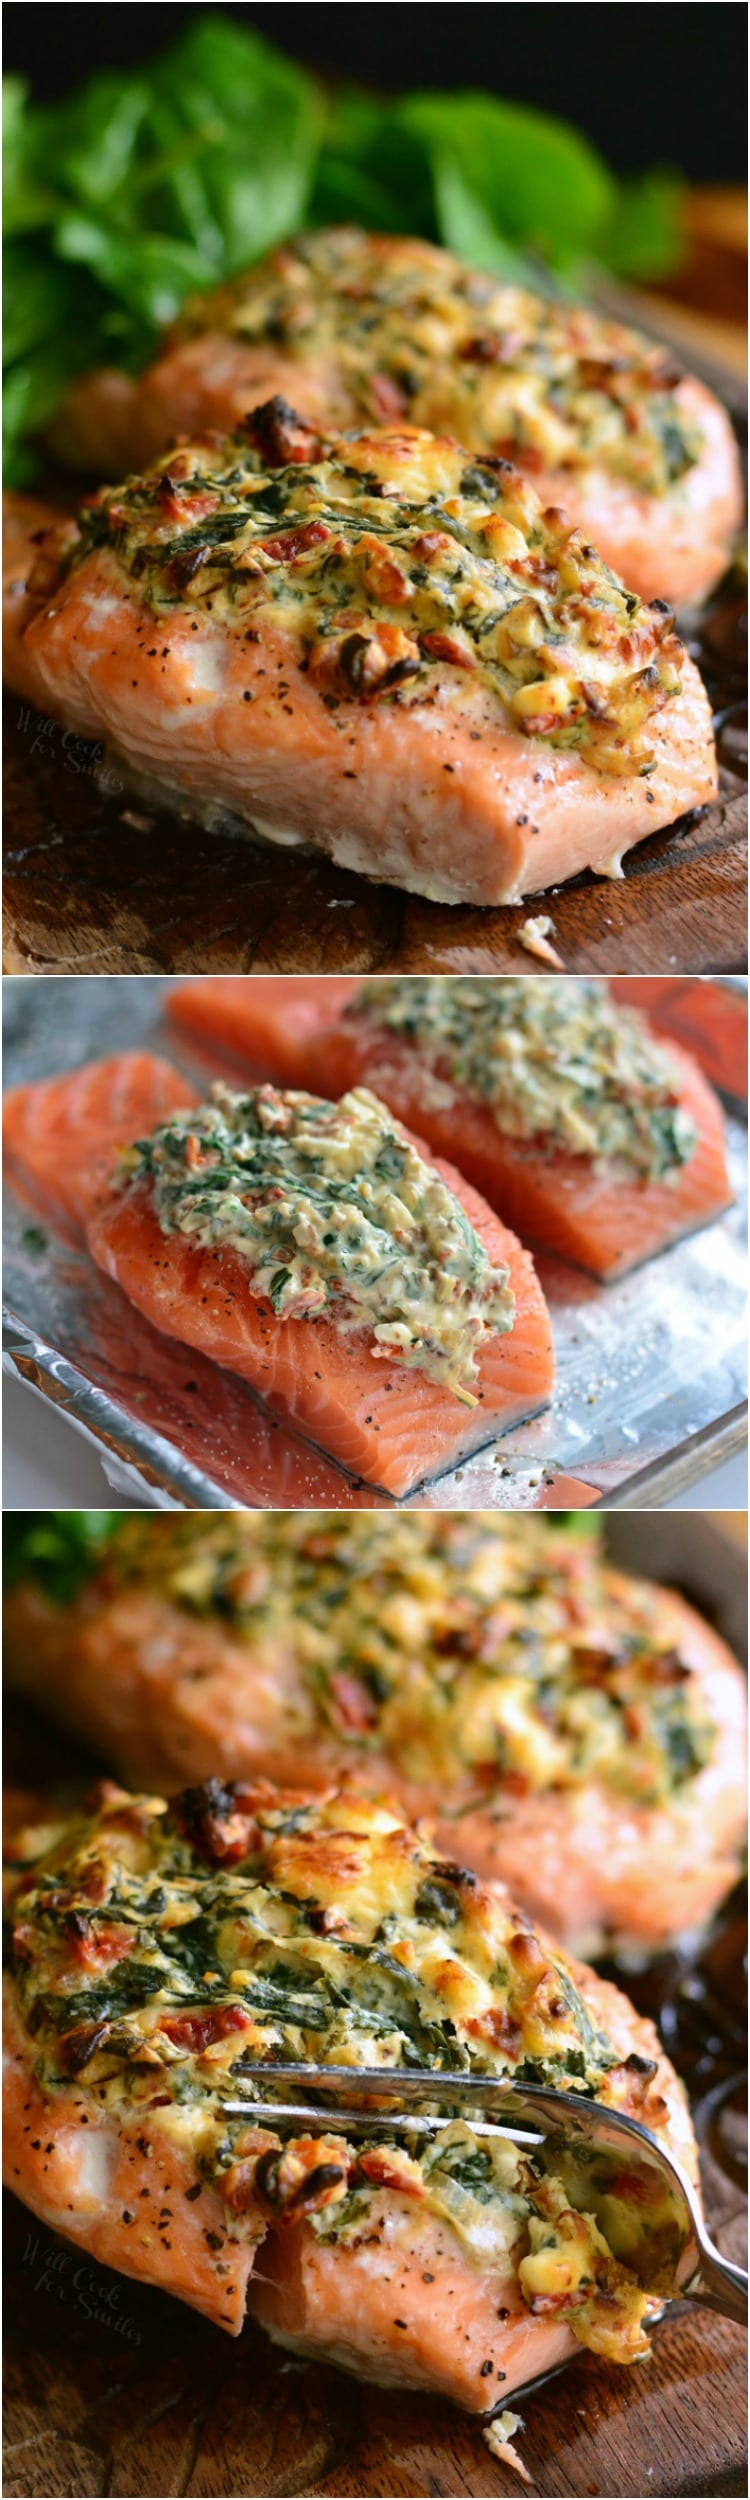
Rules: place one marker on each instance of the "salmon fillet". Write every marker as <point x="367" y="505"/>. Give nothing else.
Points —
<point x="709" y="1020"/>
<point x="202" y="1648"/>
<point x="603" y="1217"/>
<point x="59" y="1141"/>
<point x="122" y="2049"/>
<point x="393" y="1427"/>
<point x="62" y="1137"/>
<point x="356" y="328"/>
<point x="374" y="1417"/>
<point x="367" y="645"/>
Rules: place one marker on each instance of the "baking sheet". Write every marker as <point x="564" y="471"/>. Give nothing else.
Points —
<point x="652" y="1370"/>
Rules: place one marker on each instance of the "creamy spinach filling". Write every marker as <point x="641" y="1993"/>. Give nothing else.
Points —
<point x="411" y="330"/>
<point x="398" y="571"/>
<point x="553" y="1059"/>
<point x="471" y="1650"/>
<point x="335" y="1216"/>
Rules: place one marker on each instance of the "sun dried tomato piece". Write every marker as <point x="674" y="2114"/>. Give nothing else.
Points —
<point x="280" y="435"/>
<point x="97" y="1949"/>
<point x="355" y="1706"/>
<point x="295" y="542"/>
<point x="445" y="647"/>
<point x="196" y="2032"/>
<point x="388" y="401"/>
<point x="218" y="1819"/>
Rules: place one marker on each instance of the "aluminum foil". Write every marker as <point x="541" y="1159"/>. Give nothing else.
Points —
<point x="652" y="1372"/>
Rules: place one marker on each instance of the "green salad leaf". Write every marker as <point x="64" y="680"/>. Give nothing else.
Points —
<point x="126" y="197"/>
<point x="539" y="184"/>
<point x="56" y="1548"/>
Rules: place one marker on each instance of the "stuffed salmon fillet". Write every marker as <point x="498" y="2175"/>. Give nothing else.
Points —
<point x="161" y="1955"/>
<point x="374" y="645"/>
<point x="370" y="329"/>
<point x="587" y="1135"/>
<point x="576" y="1733"/>
<point x="365" y="1291"/>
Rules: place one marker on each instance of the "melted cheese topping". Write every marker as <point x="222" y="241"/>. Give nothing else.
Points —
<point x="335" y="1215"/>
<point x="400" y="328"/>
<point x="398" y="571"/>
<point x="162" y="1953"/>
<point x="556" y="1060"/>
<point x="472" y="1650"/>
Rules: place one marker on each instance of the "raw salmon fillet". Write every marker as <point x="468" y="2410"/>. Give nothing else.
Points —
<point x="187" y="1654"/>
<point x="605" y="1221"/>
<point x="390" y="1425"/>
<point x="360" y="329"/>
<point x="370" y="646"/>
<point x="393" y="1427"/>
<point x="131" y="2156"/>
<point x="61" y="1137"/>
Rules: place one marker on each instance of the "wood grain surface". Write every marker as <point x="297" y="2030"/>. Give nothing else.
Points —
<point x="113" y="2389"/>
<point x="92" y="885"/>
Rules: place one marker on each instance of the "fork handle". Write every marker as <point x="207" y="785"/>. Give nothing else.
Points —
<point x="716" y="2284"/>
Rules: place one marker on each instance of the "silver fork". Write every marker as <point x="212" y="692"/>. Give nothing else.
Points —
<point x="533" y="2115"/>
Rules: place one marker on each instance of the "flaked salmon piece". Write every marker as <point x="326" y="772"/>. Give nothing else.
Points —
<point x="373" y="1417"/>
<point x="367" y="645"/>
<point x="605" y="1218"/>
<point x="123" y="2048"/>
<point x="356" y="328"/>
<point x="196" y="1649"/>
<point x="405" y="2309"/>
<point x="62" y="1136"/>
<point x="396" y="2306"/>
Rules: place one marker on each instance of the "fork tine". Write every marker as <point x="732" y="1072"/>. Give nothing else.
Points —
<point x="404" y="2082"/>
<point x="352" y="2122"/>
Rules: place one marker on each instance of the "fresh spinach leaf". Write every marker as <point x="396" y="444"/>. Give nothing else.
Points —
<point x="56" y="1548"/>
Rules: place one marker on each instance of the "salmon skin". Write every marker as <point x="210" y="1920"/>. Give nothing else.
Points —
<point x="123" y="2047"/>
<point x="360" y="329"/>
<point x="380" y="1421"/>
<point x="397" y="1650"/>
<point x="368" y="644"/>
<point x="602" y="1216"/>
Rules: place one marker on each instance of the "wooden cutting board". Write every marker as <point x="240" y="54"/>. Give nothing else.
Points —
<point x="114" y="2389"/>
<point x="92" y="885"/>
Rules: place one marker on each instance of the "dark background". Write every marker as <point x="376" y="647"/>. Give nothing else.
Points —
<point x="665" y="84"/>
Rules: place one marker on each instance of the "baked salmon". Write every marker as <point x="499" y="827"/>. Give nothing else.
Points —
<point x="587" y="1135"/>
<point x="371" y="644"/>
<point x="363" y="1289"/>
<point x="359" y="329"/>
<point x="162" y="1955"/>
<point x="575" y="1732"/>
